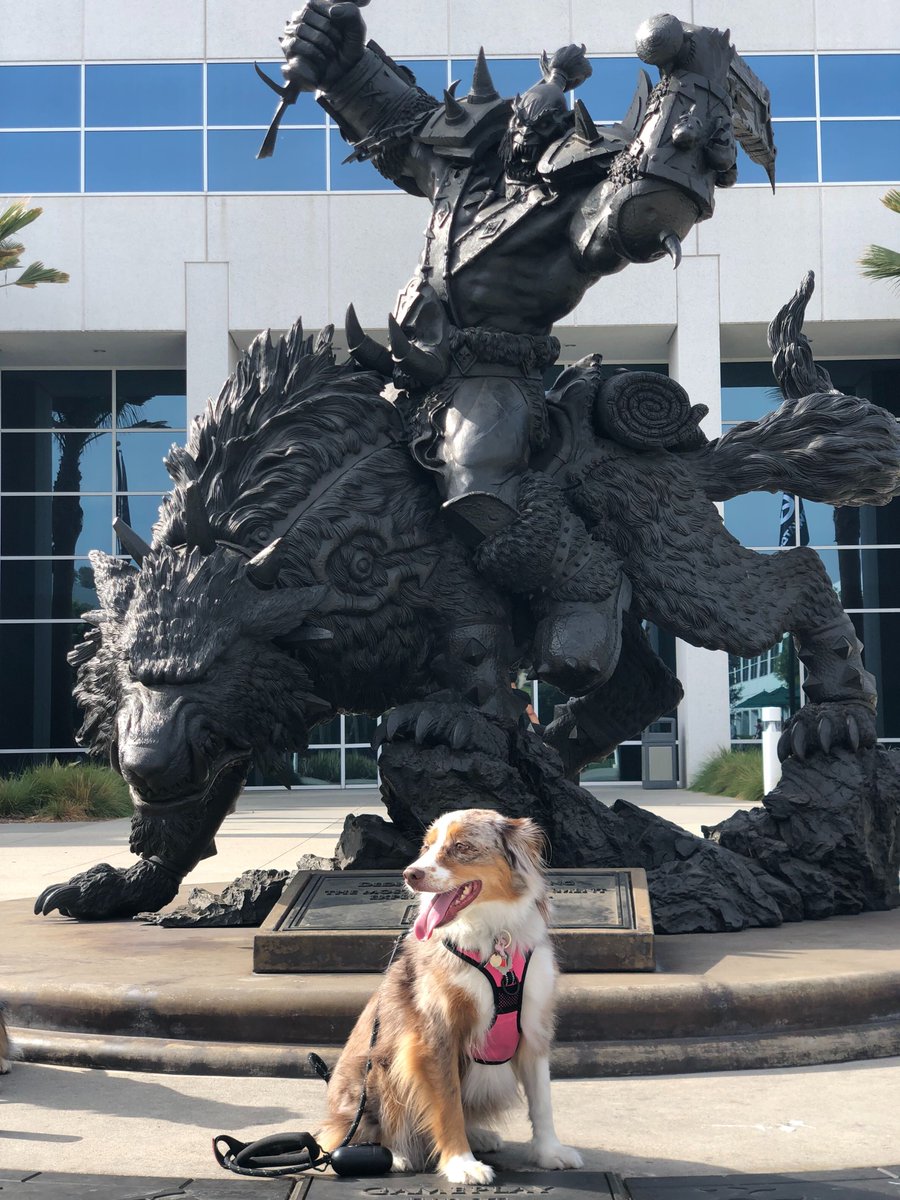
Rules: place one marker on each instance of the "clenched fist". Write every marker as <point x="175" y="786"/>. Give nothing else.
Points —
<point x="321" y="43"/>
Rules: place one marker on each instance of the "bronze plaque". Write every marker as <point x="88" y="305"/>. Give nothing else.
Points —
<point x="349" y="921"/>
<point x="507" y="1185"/>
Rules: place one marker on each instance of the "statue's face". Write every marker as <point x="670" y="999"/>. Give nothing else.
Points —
<point x="539" y="117"/>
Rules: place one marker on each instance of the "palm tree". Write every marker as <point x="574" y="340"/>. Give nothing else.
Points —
<point x="879" y="262"/>
<point x="14" y="218"/>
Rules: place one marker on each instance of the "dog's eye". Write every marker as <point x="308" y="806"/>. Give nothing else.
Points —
<point x="462" y="847"/>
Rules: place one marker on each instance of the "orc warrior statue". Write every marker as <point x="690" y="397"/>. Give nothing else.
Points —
<point x="531" y="204"/>
<point x="305" y="564"/>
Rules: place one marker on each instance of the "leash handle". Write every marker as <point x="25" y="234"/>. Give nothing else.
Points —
<point x="270" y="1157"/>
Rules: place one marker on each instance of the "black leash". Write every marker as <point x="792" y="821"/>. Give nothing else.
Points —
<point x="289" y="1153"/>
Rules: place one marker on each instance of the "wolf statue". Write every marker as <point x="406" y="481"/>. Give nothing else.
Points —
<point x="306" y="564"/>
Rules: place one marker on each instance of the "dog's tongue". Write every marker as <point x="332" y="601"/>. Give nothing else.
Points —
<point x="433" y="914"/>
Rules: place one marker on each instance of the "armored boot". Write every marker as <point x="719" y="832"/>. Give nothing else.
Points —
<point x="577" y="588"/>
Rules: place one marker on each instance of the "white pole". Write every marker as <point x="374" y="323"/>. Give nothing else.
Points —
<point x="771" y="732"/>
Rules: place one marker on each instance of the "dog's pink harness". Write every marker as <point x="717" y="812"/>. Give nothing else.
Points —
<point x="508" y="990"/>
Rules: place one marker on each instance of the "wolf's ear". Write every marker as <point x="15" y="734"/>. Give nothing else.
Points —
<point x="525" y="844"/>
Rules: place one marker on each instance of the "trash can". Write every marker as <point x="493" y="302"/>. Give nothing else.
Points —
<point x="659" y="754"/>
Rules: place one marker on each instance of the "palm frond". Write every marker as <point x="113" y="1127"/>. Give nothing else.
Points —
<point x="892" y="200"/>
<point x="36" y="273"/>
<point x="16" y="216"/>
<point x="879" y="262"/>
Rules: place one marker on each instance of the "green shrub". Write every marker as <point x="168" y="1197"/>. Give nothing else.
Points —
<point x="64" y="792"/>
<point x="737" y="773"/>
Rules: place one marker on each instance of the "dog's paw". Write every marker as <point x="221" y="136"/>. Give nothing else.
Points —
<point x="399" y="1163"/>
<point x="484" y="1141"/>
<point x="554" y="1156"/>
<point x="464" y="1168"/>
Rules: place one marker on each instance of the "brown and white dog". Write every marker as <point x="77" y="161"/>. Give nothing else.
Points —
<point x="452" y="1047"/>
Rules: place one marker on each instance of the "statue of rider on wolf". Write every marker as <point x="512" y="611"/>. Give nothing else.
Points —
<point x="531" y="204"/>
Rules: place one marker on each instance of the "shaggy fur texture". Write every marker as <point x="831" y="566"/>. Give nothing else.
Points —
<point x="427" y="1100"/>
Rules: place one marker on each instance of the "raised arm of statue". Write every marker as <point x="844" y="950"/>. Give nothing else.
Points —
<point x="684" y="147"/>
<point x="375" y="102"/>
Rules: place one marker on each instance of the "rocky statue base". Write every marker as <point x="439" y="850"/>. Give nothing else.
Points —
<point x="825" y="843"/>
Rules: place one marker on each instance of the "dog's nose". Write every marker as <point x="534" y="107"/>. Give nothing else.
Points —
<point x="413" y="875"/>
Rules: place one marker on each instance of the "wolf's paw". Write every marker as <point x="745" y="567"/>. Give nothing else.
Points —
<point x="464" y="1168"/>
<point x="445" y="720"/>
<point x="104" y="891"/>
<point x="484" y="1141"/>
<point x="823" y="728"/>
<point x="554" y="1156"/>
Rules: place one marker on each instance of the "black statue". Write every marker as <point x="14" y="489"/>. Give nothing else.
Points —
<point x="305" y="563"/>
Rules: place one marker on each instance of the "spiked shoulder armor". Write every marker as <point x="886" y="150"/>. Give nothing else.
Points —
<point x="587" y="150"/>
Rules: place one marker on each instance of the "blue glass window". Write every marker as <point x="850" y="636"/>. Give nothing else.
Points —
<point x="353" y="176"/>
<point x="140" y="512"/>
<point x="151" y="396"/>
<point x="143" y="94"/>
<point x="791" y="79"/>
<point x="144" y="161"/>
<point x="141" y="455"/>
<point x="431" y="74"/>
<point x="235" y="95"/>
<point x="30" y="462"/>
<point x="27" y="524"/>
<point x="748" y="403"/>
<point x="510" y="75"/>
<point x="298" y="164"/>
<point x="55" y="399"/>
<point x="32" y="163"/>
<point x="32" y="97"/>
<point x="860" y="85"/>
<point x="754" y="519"/>
<point x="609" y="90"/>
<point x="860" y="150"/>
<point x="797" y="160"/>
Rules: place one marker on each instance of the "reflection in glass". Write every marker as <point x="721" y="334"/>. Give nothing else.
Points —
<point x="358" y="728"/>
<point x="548" y="698"/>
<point x="748" y="403"/>
<point x="157" y="160"/>
<point x="60" y="525"/>
<point x="754" y="519"/>
<point x="64" y="461"/>
<point x="157" y="397"/>
<point x="46" y="589"/>
<point x="318" y="768"/>
<point x="55" y="399"/>
<point x="39" y="162"/>
<point x="140" y="512"/>
<point x="360" y="768"/>
<point x="141" y="461"/>
<point x="880" y="635"/>
<point x="770" y="679"/>
<point x="37" y="710"/>
<point x="327" y="734"/>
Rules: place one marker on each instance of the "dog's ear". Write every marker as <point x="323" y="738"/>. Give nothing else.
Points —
<point x="525" y="844"/>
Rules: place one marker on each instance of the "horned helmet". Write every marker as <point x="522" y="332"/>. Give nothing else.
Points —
<point x="541" y="115"/>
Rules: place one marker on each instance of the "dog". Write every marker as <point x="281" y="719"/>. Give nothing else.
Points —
<point x="458" y="1029"/>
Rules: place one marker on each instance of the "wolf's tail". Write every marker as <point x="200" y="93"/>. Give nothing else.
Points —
<point x="820" y="444"/>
